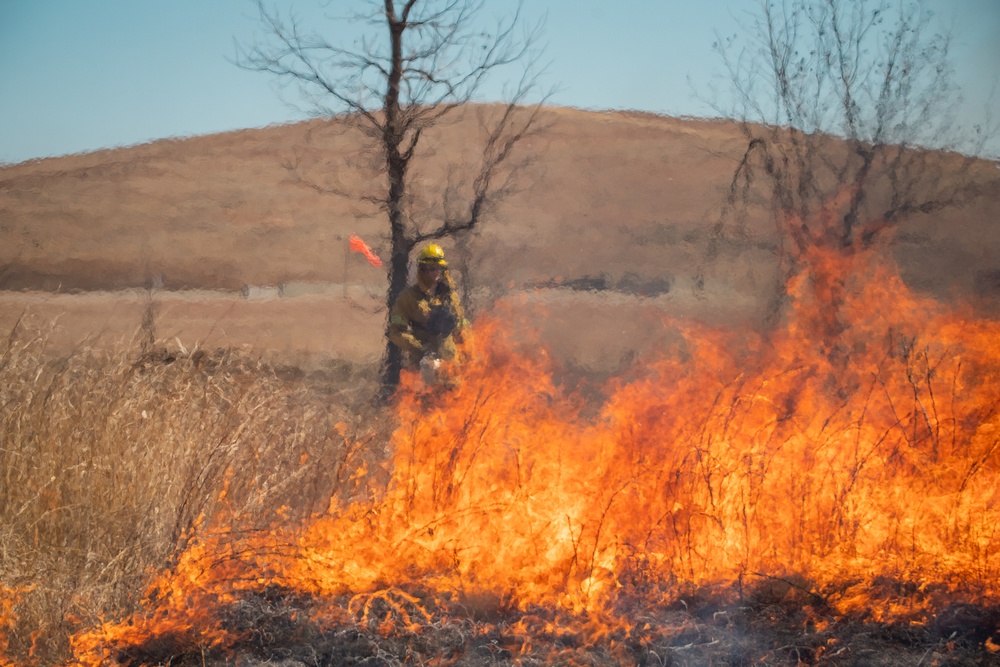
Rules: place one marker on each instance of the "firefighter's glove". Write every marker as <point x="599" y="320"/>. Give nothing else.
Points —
<point x="442" y="321"/>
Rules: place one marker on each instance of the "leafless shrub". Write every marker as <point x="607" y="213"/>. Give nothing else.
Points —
<point x="850" y="115"/>
<point x="419" y="65"/>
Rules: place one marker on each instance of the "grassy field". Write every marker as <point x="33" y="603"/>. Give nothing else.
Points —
<point x="190" y="468"/>
<point x="145" y="401"/>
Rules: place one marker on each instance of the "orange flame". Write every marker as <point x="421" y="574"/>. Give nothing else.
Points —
<point x="9" y="599"/>
<point x="853" y="453"/>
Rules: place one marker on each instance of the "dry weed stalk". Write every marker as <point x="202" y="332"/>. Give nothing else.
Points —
<point x="110" y="462"/>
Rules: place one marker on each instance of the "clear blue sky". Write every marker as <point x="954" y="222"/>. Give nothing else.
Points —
<point x="80" y="75"/>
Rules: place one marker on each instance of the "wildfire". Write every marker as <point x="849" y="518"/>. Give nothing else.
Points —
<point x="9" y="598"/>
<point x="853" y="454"/>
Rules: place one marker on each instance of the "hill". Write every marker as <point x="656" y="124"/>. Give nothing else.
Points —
<point x="612" y="221"/>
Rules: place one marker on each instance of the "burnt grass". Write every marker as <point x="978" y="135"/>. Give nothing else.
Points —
<point x="277" y="627"/>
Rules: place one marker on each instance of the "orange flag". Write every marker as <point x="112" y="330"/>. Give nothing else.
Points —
<point x="357" y="245"/>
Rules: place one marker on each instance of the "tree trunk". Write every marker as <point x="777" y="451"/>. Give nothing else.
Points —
<point x="395" y="162"/>
<point x="392" y="362"/>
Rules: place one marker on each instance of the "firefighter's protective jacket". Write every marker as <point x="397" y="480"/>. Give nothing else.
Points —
<point x="423" y="323"/>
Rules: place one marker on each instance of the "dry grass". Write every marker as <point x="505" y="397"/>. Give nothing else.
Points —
<point x="111" y="453"/>
<point x="109" y="460"/>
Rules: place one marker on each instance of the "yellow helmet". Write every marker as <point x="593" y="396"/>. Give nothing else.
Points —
<point x="432" y="254"/>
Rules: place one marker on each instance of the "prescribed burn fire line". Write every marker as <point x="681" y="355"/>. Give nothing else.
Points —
<point x="742" y="455"/>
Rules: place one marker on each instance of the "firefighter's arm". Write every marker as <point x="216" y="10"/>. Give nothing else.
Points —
<point x="400" y="331"/>
<point x="400" y="335"/>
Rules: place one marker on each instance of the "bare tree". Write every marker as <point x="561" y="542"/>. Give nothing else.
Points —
<point x="418" y="63"/>
<point x="840" y="102"/>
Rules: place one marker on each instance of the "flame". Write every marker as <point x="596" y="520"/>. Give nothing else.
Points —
<point x="852" y="454"/>
<point x="10" y="598"/>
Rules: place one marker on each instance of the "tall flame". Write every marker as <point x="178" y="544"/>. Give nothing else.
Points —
<point x="856" y="447"/>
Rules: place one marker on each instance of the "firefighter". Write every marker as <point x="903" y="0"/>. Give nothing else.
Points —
<point x="427" y="320"/>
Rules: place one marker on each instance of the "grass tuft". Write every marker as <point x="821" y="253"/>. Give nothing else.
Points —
<point x="109" y="462"/>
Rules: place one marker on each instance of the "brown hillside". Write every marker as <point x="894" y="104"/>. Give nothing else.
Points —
<point x="621" y="203"/>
